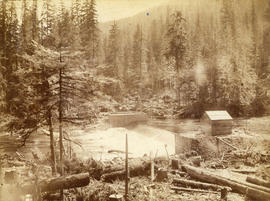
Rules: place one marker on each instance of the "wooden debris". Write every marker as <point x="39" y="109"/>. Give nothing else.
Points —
<point x="64" y="182"/>
<point x="177" y="189"/>
<point x="178" y="172"/>
<point x="258" y="181"/>
<point x="251" y="190"/>
<point x="116" y="197"/>
<point x="196" y="160"/>
<point x="218" y="138"/>
<point x="196" y="184"/>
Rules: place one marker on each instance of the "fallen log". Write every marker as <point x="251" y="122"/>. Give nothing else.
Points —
<point x="117" y="151"/>
<point x="178" y="172"/>
<point x="244" y="171"/>
<point x="253" y="191"/>
<point x="218" y="138"/>
<point x="177" y="189"/>
<point x="258" y="181"/>
<point x="64" y="182"/>
<point x="196" y="184"/>
<point x="136" y="168"/>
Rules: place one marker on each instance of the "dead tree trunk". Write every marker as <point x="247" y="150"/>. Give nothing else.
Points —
<point x="60" y="126"/>
<point x="71" y="181"/>
<point x="53" y="161"/>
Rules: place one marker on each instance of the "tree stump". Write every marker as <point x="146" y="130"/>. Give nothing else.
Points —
<point x="162" y="175"/>
<point x="175" y="164"/>
<point x="224" y="194"/>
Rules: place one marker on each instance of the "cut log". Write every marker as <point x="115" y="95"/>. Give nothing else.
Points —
<point x="244" y="171"/>
<point x="64" y="182"/>
<point x="136" y="168"/>
<point x="253" y="191"/>
<point x="258" y="181"/>
<point x="177" y="189"/>
<point x="196" y="184"/>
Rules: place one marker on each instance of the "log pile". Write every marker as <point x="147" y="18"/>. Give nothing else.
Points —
<point x="251" y="190"/>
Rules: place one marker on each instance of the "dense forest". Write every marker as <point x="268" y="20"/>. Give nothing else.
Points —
<point x="173" y="61"/>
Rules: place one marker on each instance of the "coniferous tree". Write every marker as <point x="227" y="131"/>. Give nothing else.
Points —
<point x="75" y="12"/>
<point x="137" y="51"/>
<point x="254" y="38"/>
<point x="266" y="41"/>
<point x="113" y="50"/>
<point x="89" y="30"/>
<point x="154" y="53"/>
<point x="3" y="52"/>
<point x="47" y="23"/>
<point x="11" y="46"/>
<point x="176" y="49"/>
<point x="34" y="13"/>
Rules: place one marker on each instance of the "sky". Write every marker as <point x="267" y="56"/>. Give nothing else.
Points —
<point x="109" y="10"/>
<point x="115" y="9"/>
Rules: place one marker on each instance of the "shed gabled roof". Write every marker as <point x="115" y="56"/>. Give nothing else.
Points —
<point x="218" y="115"/>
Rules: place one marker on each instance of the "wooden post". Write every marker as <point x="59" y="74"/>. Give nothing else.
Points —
<point x="126" y="181"/>
<point x="152" y="174"/>
<point x="152" y="167"/>
<point x="218" y="147"/>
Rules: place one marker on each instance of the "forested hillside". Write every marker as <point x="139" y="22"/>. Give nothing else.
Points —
<point x="173" y="61"/>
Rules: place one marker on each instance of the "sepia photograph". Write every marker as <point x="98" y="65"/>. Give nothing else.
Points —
<point x="134" y="100"/>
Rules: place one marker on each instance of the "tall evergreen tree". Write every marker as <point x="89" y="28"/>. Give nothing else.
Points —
<point x="176" y="48"/>
<point x="26" y="26"/>
<point x="113" y="49"/>
<point x="89" y="30"/>
<point x="34" y="13"/>
<point x="3" y="31"/>
<point x="137" y="51"/>
<point x="47" y="23"/>
<point x="3" y="53"/>
<point x="75" y="12"/>
<point x="266" y="41"/>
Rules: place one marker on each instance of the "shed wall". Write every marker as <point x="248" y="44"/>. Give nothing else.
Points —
<point x="221" y="127"/>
